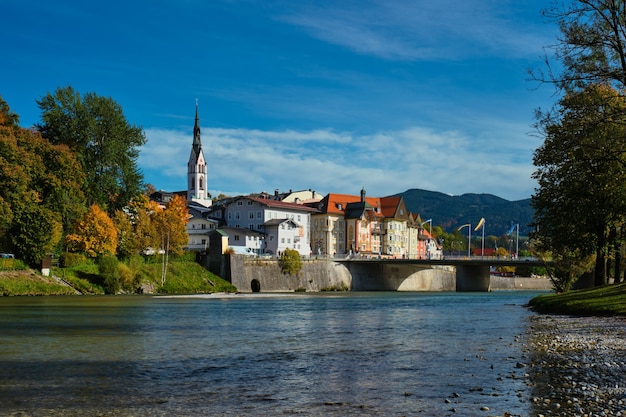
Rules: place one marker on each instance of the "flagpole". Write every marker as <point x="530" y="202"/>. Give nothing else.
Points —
<point x="517" y="243"/>
<point x="483" y="248"/>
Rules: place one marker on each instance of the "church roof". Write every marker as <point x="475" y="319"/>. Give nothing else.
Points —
<point x="197" y="143"/>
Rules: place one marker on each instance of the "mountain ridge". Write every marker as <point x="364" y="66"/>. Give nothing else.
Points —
<point x="451" y="212"/>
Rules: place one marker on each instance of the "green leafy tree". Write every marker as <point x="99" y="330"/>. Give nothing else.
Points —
<point x="108" y="269"/>
<point x="40" y="197"/>
<point x="581" y="172"/>
<point x="590" y="52"/>
<point x="290" y="262"/>
<point x="35" y="232"/>
<point x="107" y="146"/>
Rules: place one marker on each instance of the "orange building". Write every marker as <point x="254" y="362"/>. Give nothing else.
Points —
<point x="364" y="226"/>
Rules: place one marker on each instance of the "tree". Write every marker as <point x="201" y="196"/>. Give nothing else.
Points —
<point x="35" y="232"/>
<point x="290" y="262"/>
<point x="96" y="129"/>
<point x="170" y="225"/>
<point x="94" y="235"/>
<point x="108" y="269"/>
<point x="40" y="197"/>
<point x="592" y="46"/>
<point x="581" y="172"/>
<point x="591" y="53"/>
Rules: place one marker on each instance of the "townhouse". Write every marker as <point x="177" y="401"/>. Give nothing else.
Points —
<point x="367" y="226"/>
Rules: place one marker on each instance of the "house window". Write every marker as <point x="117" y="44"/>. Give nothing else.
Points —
<point x="259" y="214"/>
<point x="203" y="226"/>
<point x="240" y="203"/>
<point x="251" y="227"/>
<point x="249" y="202"/>
<point x="204" y="241"/>
<point x="230" y="215"/>
<point x="236" y="237"/>
<point x="236" y="215"/>
<point x="251" y="215"/>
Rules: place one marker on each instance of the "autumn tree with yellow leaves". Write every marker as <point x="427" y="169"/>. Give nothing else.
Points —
<point x="95" y="234"/>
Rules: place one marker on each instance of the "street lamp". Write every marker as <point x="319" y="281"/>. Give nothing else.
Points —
<point x="469" y="237"/>
<point x="430" y="232"/>
<point x="481" y="223"/>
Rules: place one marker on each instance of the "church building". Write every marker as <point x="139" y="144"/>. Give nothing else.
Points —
<point x="197" y="179"/>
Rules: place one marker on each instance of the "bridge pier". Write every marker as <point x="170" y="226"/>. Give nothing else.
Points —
<point x="473" y="278"/>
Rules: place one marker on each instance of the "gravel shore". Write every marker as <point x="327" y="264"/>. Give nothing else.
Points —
<point x="577" y="366"/>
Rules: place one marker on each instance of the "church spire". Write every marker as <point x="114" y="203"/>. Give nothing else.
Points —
<point x="197" y="144"/>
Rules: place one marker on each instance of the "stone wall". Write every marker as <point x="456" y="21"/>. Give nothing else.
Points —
<point x="520" y="283"/>
<point x="255" y="274"/>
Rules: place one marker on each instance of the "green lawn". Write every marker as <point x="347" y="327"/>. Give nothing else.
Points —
<point x="609" y="300"/>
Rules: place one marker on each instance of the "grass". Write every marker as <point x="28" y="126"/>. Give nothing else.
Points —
<point x="183" y="277"/>
<point x="189" y="278"/>
<point x="26" y="282"/>
<point x="608" y="300"/>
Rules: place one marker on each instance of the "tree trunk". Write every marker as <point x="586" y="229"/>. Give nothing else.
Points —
<point x="599" y="273"/>
<point x="618" y="266"/>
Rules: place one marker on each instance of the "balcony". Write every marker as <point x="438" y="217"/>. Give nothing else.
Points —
<point x="377" y="230"/>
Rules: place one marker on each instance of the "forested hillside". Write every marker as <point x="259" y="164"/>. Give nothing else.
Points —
<point x="450" y="212"/>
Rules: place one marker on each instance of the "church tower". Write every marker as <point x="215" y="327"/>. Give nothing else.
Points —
<point x="197" y="187"/>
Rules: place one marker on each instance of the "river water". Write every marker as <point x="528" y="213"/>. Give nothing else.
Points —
<point x="334" y="354"/>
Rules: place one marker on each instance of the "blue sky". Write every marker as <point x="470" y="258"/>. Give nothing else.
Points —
<point x="325" y="95"/>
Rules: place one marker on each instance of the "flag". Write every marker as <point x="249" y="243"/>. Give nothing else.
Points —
<point x="511" y="229"/>
<point x="480" y="224"/>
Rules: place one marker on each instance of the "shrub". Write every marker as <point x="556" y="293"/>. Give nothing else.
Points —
<point x="69" y="260"/>
<point x="110" y="273"/>
<point x="12" y="264"/>
<point x="290" y="262"/>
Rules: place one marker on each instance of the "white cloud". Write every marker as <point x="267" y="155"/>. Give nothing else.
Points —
<point x="422" y="30"/>
<point x="243" y="161"/>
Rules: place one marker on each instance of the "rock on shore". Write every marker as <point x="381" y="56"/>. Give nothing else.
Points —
<point x="577" y="366"/>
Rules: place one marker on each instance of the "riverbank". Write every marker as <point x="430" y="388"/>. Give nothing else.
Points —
<point x="577" y="365"/>
<point x="608" y="300"/>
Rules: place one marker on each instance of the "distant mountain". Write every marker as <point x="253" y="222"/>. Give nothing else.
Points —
<point x="450" y="212"/>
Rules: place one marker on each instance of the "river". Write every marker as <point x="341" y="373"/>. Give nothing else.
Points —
<point x="329" y="354"/>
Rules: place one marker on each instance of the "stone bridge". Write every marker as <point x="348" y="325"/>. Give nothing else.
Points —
<point x="360" y="274"/>
<point x="470" y="274"/>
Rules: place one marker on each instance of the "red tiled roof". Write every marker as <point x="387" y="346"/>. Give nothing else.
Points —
<point x="282" y="204"/>
<point x="333" y="201"/>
